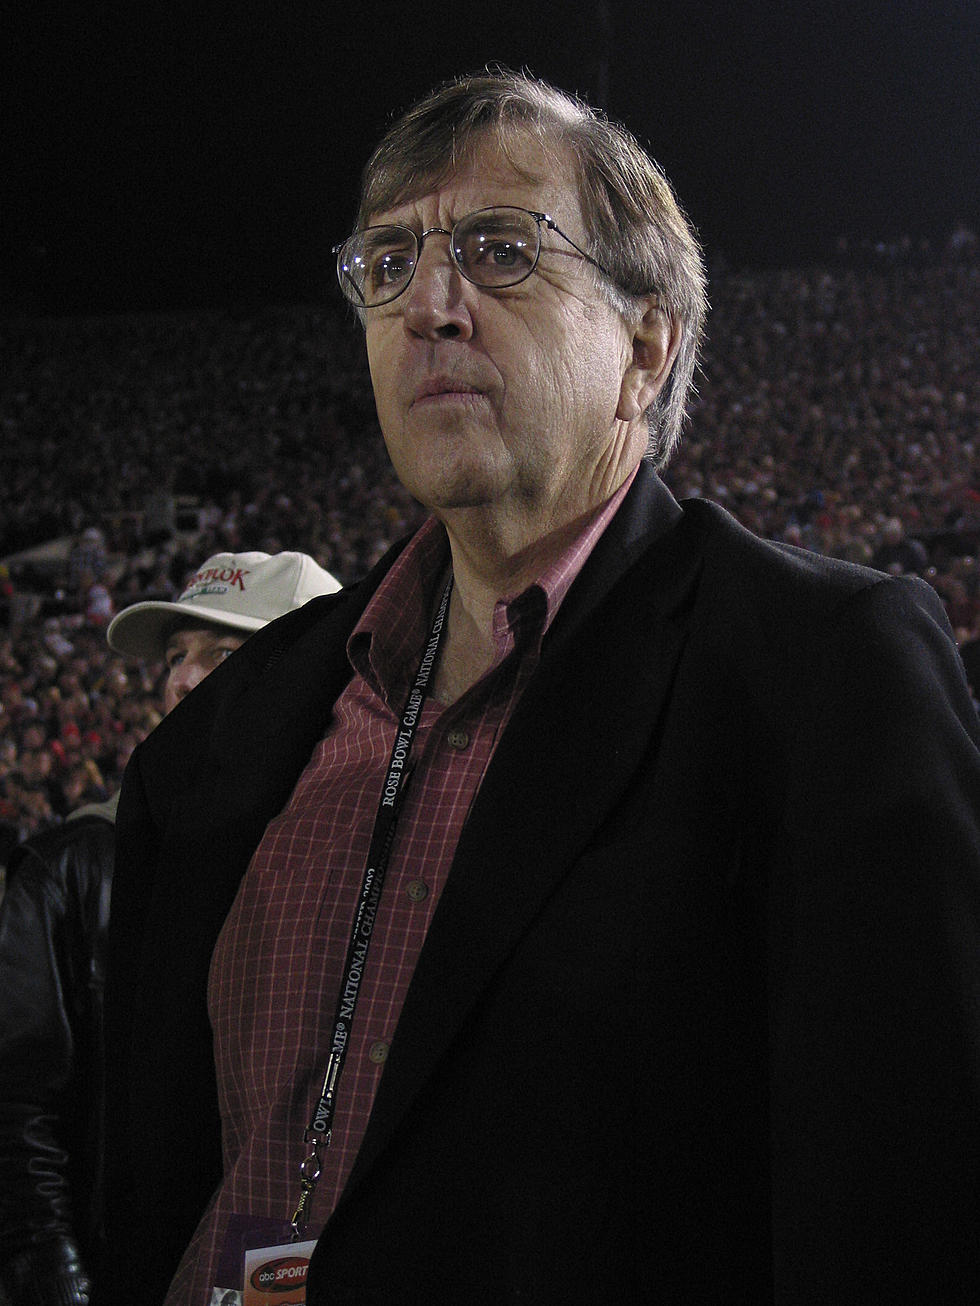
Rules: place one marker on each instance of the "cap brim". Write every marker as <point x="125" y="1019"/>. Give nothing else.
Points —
<point x="140" y="631"/>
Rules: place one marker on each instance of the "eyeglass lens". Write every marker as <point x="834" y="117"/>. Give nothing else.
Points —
<point x="492" y="248"/>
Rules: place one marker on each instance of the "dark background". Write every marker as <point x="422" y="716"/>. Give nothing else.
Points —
<point x="183" y="154"/>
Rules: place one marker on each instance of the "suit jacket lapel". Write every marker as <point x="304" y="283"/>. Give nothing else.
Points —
<point x="575" y="740"/>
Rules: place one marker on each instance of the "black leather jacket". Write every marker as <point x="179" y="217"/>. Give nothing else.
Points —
<point x="53" y="922"/>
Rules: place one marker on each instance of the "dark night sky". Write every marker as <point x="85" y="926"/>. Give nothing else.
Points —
<point x="156" y="156"/>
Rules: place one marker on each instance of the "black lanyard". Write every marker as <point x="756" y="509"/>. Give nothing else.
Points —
<point x="318" y="1132"/>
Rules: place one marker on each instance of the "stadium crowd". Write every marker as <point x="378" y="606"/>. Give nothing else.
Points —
<point x="838" y="409"/>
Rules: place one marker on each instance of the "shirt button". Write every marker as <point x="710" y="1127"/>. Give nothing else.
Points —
<point x="418" y="891"/>
<point x="458" y="739"/>
<point x="378" y="1053"/>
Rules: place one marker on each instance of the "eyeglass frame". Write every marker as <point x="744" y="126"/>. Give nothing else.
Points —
<point x="343" y="278"/>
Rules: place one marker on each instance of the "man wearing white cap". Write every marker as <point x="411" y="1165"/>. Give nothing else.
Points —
<point x="229" y="597"/>
<point x="52" y="932"/>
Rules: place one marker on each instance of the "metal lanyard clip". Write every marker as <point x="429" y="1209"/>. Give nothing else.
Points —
<point x="309" y="1176"/>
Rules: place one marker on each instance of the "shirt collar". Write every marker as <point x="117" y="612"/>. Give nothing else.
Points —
<point x="385" y="644"/>
<point x="394" y="627"/>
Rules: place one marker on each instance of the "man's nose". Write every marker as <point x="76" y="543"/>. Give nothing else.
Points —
<point x="437" y="301"/>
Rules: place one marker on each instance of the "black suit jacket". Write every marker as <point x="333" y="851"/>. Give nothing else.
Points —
<point x="698" y="1016"/>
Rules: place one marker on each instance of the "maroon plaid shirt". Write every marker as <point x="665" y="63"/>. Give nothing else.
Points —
<point x="277" y="966"/>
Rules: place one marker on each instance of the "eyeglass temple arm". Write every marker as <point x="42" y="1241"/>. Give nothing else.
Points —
<point x="552" y="225"/>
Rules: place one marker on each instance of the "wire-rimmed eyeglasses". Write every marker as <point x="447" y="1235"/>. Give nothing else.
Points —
<point x="493" y="248"/>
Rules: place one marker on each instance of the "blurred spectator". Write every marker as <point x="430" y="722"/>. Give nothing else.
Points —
<point x="159" y="516"/>
<point x="898" y="554"/>
<point x="87" y="561"/>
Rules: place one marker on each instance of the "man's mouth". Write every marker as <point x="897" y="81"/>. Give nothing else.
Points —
<point x="438" y="387"/>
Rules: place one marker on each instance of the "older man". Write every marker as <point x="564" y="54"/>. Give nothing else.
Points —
<point x="583" y="908"/>
<point x="53" y="924"/>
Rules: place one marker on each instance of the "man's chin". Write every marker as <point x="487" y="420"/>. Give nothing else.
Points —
<point x="467" y="496"/>
<point x="455" y="482"/>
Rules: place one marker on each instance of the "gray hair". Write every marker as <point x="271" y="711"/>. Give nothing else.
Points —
<point x="635" y="224"/>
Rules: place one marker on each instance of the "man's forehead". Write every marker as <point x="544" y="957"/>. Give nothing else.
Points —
<point x="517" y="170"/>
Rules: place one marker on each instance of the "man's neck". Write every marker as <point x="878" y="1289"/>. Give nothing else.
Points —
<point x="481" y="578"/>
<point x="490" y="563"/>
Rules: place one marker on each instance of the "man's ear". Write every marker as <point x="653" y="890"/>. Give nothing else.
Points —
<point x="656" y="340"/>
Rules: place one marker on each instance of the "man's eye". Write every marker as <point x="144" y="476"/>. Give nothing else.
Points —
<point x="389" y="269"/>
<point x="498" y="253"/>
<point x="175" y="659"/>
<point x="503" y="254"/>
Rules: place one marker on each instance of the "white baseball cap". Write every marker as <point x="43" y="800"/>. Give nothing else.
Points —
<point x="237" y="591"/>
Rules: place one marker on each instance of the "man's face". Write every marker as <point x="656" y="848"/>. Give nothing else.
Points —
<point x="504" y="400"/>
<point x="191" y="653"/>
